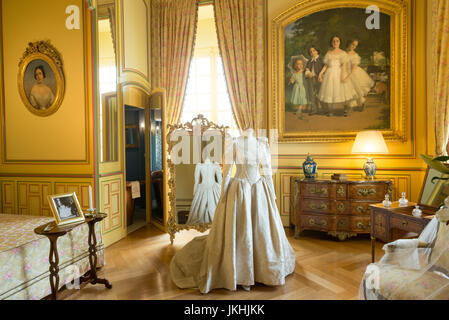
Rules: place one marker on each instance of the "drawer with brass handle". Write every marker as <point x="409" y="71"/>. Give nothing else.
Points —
<point x="315" y="190"/>
<point x="373" y="192"/>
<point x="314" y="221"/>
<point x="318" y="190"/>
<point x="360" y="208"/>
<point x="361" y="224"/>
<point x="314" y="205"/>
<point x="366" y="192"/>
<point x="405" y="224"/>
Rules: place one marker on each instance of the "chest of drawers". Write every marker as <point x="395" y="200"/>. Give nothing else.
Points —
<point x="340" y="208"/>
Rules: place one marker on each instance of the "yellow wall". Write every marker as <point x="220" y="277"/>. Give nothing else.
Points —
<point x="403" y="164"/>
<point x="134" y="31"/>
<point x="63" y="137"/>
<point x="53" y="154"/>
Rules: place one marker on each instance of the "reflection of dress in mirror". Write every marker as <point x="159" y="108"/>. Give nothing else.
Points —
<point x="247" y="241"/>
<point x="205" y="193"/>
<point x="41" y="96"/>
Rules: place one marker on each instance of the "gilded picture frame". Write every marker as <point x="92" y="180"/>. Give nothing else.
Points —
<point x="40" y="79"/>
<point x="65" y="208"/>
<point x="397" y="99"/>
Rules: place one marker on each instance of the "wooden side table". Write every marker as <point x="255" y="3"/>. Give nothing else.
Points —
<point x="54" y="233"/>
<point x="390" y="224"/>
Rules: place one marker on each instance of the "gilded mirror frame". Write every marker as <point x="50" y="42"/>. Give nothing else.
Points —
<point x="172" y="226"/>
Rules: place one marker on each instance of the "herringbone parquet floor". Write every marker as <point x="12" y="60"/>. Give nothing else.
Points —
<point x="138" y="268"/>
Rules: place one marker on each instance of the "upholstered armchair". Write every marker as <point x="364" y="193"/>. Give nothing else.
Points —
<point x="412" y="269"/>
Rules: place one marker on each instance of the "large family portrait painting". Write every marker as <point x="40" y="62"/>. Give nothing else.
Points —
<point x="337" y="72"/>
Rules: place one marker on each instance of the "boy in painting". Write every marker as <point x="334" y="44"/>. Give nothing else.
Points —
<point x="313" y="69"/>
<point x="299" y="95"/>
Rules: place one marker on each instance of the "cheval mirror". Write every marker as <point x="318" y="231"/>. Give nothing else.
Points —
<point x="194" y="167"/>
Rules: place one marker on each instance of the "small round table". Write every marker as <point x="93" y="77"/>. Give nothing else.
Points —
<point x="53" y="232"/>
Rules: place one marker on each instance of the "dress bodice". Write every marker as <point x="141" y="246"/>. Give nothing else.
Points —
<point x="210" y="174"/>
<point x="249" y="172"/>
<point x="249" y="155"/>
<point x="298" y="76"/>
<point x="353" y="59"/>
<point x="335" y="59"/>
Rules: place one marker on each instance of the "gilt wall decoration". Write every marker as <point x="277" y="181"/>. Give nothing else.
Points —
<point x="41" y="78"/>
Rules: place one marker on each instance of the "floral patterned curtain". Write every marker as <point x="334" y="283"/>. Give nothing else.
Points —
<point x="240" y="32"/>
<point x="440" y="70"/>
<point x="173" y="29"/>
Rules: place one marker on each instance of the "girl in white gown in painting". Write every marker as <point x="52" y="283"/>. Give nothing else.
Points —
<point x="247" y="241"/>
<point x="360" y="80"/>
<point x="334" y="89"/>
<point x="205" y="193"/>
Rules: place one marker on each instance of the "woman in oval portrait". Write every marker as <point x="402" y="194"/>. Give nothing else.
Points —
<point x="41" y="96"/>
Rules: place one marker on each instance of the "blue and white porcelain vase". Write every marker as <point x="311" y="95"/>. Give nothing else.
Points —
<point x="309" y="167"/>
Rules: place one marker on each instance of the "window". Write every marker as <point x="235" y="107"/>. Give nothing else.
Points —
<point x="206" y="91"/>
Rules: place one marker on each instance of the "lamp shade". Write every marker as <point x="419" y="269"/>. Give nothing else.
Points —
<point x="369" y="142"/>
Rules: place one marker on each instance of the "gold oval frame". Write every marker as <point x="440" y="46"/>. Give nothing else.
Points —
<point x="42" y="50"/>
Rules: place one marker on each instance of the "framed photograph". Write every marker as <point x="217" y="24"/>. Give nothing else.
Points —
<point x="41" y="79"/>
<point x="66" y="208"/>
<point x="338" y="68"/>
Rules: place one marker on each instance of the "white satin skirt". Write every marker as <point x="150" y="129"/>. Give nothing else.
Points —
<point x="246" y="243"/>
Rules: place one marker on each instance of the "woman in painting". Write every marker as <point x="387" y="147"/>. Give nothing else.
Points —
<point x="299" y="96"/>
<point x="41" y="96"/>
<point x="333" y="89"/>
<point x="361" y="81"/>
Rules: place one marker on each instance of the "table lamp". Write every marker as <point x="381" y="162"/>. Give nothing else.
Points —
<point x="369" y="142"/>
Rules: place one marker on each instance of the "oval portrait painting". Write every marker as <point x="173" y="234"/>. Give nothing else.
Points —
<point x="41" y="83"/>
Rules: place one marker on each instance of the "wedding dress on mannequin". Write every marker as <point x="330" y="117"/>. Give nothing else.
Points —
<point x="247" y="241"/>
<point x="205" y="193"/>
